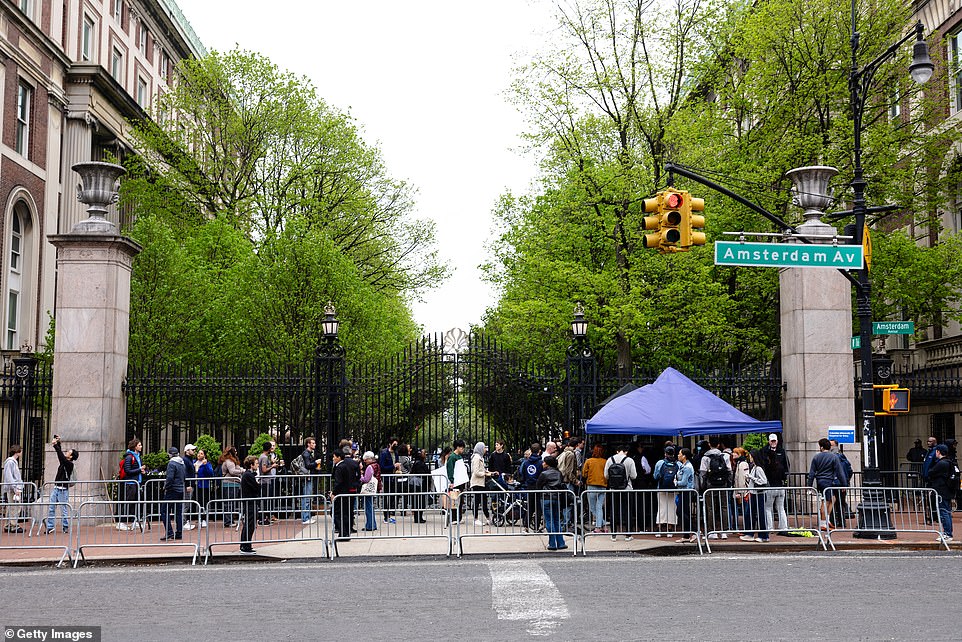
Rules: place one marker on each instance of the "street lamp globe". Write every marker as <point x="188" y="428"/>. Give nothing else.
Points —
<point x="579" y="326"/>
<point x="921" y="67"/>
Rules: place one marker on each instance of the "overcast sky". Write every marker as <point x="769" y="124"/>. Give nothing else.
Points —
<point x="425" y="81"/>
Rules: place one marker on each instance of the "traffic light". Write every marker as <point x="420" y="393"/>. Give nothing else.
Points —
<point x="692" y="224"/>
<point x="667" y="208"/>
<point x="891" y="400"/>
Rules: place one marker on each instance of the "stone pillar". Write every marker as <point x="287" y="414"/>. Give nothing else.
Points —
<point x="92" y="330"/>
<point x="77" y="148"/>
<point x="816" y="330"/>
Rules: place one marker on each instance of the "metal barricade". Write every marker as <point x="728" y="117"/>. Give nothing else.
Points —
<point x="880" y="512"/>
<point x="629" y="513"/>
<point x="752" y="514"/>
<point x="36" y="536"/>
<point x="315" y="529"/>
<point x="425" y="517"/>
<point x="517" y="513"/>
<point x="28" y="493"/>
<point x="404" y="485"/>
<point x="95" y="528"/>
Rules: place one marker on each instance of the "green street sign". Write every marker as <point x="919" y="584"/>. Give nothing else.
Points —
<point x="792" y="255"/>
<point x="893" y="327"/>
<point x="856" y="343"/>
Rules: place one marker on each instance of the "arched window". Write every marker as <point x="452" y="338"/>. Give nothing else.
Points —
<point x="17" y="265"/>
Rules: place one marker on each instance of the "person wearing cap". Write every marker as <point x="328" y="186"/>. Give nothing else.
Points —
<point x="174" y="492"/>
<point x="941" y="474"/>
<point x="774" y="461"/>
<point x="665" y="470"/>
<point x="190" y="464"/>
<point x="916" y="453"/>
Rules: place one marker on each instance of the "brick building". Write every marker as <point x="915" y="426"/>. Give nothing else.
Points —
<point x="73" y="74"/>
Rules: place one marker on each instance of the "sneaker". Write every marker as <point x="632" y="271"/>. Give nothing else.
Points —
<point x="134" y="526"/>
<point x="613" y="538"/>
<point x="658" y="535"/>
<point x="628" y="538"/>
<point x="13" y="529"/>
<point x="250" y="552"/>
<point x="203" y="523"/>
<point x="670" y="535"/>
<point x="189" y="527"/>
<point x="724" y="535"/>
<point x="478" y="522"/>
<point x="312" y="520"/>
<point x="394" y="521"/>
<point x="747" y="538"/>
<point x="759" y="540"/>
<point x="713" y="536"/>
<point x="944" y="538"/>
<point x="122" y="527"/>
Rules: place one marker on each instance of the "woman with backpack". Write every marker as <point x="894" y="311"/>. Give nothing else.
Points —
<point x="685" y="480"/>
<point x="204" y="471"/>
<point x="740" y="495"/>
<point x="593" y="472"/>
<point x="665" y="471"/>
<point x="230" y="487"/>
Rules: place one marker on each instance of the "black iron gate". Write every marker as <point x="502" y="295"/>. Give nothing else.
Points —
<point x="25" y="386"/>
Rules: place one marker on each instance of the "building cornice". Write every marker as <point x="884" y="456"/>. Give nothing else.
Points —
<point x="93" y="74"/>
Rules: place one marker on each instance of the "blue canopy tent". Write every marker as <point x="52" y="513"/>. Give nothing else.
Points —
<point x="673" y="405"/>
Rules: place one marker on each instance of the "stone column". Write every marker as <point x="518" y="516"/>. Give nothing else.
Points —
<point x="816" y="330"/>
<point x="92" y="330"/>
<point x="77" y="148"/>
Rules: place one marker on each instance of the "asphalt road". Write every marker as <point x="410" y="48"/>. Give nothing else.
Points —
<point x="745" y="597"/>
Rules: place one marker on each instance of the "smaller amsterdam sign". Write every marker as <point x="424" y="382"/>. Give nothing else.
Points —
<point x="848" y="257"/>
<point x="893" y="327"/>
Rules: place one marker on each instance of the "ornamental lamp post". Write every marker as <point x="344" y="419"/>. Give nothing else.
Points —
<point x="860" y="82"/>
<point x="580" y="375"/>
<point x="329" y="359"/>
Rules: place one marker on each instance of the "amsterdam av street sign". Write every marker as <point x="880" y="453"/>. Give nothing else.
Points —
<point x="846" y="257"/>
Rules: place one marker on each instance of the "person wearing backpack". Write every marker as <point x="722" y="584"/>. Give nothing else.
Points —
<point x="593" y="474"/>
<point x="131" y="471"/>
<point x="306" y="464"/>
<point x="619" y="472"/>
<point x="665" y="471"/>
<point x="715" y="471"/>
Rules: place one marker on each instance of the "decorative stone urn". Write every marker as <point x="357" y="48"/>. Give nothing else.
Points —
<point x="99" y="188"/>
<point x="810" y="190"/>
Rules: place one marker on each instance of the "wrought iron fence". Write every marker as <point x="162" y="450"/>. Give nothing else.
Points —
<point x="25" y="393"/>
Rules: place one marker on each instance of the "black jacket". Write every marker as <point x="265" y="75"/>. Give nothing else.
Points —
<point x="550" y="479"/>
<point x="176" y="474"/>
<point x="344" y="481"/>
<point x="65" y="469"/>
<point x="775" y="464"/>
<point x="941" y="473"/>
<point x="250" y="487"/>
<point x="500" y="462"/>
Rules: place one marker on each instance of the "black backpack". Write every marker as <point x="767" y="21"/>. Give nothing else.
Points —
<point x="718" y="474"/>
<point x="666" y="477"/>
<point x="617" y="474"/>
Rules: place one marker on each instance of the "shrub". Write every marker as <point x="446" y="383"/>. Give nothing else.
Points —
<point x="155" y="462"/>
<point x="257" y="448"/>
<point x="754" y="441"/>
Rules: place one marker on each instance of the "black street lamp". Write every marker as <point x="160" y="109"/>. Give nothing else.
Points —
<point x="580" y="375"/>
<point x="329" y="382"/>
<point x="860" y="81"/>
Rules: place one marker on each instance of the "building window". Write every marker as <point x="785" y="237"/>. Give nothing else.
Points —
<point x="13" y="318"/>
<point x="87" y="39"/>
<point x="895" y="105"/>
<point x="24" y="96"/>
<point x="16" y="240"/>
<point x="955" y="71"/>
<point x="16" y="273"/>
<point x="141" y="92"/>
<point x="117" y="65"/>
<point x="164" y="64"/>
<point x="26" y="6"/>
<point x="118" y="11"/>
<point x="142" y="38"/>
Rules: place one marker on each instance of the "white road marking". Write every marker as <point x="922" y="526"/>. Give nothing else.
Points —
<point x="523" y="591"/>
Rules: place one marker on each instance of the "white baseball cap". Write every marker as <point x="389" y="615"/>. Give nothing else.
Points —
<point x="773" y="437"/>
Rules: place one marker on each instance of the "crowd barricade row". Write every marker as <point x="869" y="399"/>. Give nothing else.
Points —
<point x="755" y="514"/>
<point x="883" y="512"/>
<point x="644" y="512"/>
<point x="95" y="528"/>
<point x="515" y="513"/>
<point x="35" y="536"/>
<point x="412" y="515"/>
<point x="235" y="511"/>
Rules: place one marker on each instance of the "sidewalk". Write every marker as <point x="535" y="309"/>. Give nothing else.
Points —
<point x="366" y="546"/>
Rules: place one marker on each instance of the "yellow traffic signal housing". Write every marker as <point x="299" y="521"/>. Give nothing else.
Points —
<point x="692" y="224"/>
<point x="891" y="400"/>
<point x="652" y="206"/>
<point x="667" y="209"/>
<point x="895" y="400"/>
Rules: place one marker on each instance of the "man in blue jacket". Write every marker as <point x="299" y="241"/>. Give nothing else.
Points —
<point x="929" y="458"/>
<point x="530" y="471"/>
<point x="387" y="461"/>
<point x="174" y="485"/>
<point x="133" y="471"/>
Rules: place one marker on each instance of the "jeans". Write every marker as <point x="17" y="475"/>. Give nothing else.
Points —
<point x="370" y="521"/>
<point x="62" y="496"/>
<point x="131" y="495"/>
<point x="165" y="506"/>
<point x="552" y="522"/>
<point x="596" y="503"/>
<point x="775" y="501"/>
<point x="249" y="509"/>
<point x="567" y="513"/>
<point x="945" y="514"/>
<point x="307" y="489"/>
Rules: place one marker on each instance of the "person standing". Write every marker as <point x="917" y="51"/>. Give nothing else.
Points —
<point x="823" y="473"/>
<point x="267" y="471"/>
<point x="133" y="475"/>
<point x="529" y="471"/>
<point x="916" y="454"/>
<point x="190" y="452"/>
<point x="929" y="458"/>
<point x="457" y="478"/>
<point x="175" y="484"/>
<point x="387" y="463"/>
<point x="941" y="473"/>
<point x="569" y="469"/>
<point x="233" y="473"/>
<point x="61" y="486"/>
<point x="13" y="488"/>
<point x="665" y="471"/>
<point x="250" y="492"/>
<point x="550" y="480"/>
<point x="420" y="478"/>
<point x="203" y="471"/>
<point x="620" y="471"/>
<point x="370" y="486"/>
<point x="479" y="481"/>
<point x="684" y="481"/>
<point x="341" y="496"/>
<point x="500" y="461"/>
<point x="593" y="474"/>
<point x="309" y="468"/>
<point x="774" y="461"/>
